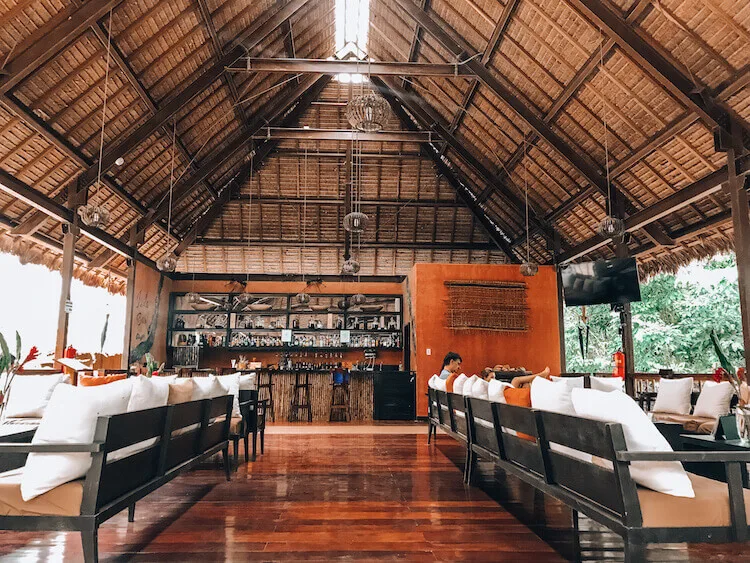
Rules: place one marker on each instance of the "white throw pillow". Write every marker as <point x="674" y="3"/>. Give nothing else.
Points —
<point x="479" y="389"/>
<point x="640" y="435"/>
<point x="70" y="418"/>
<point x="555" y="396"/>
<point x="248" y="382"/>
<point x="608" y="384"/>
<point x="458" y="384"/>
<point x="440" y="384"/>
<point x="714" y="399"/>
<point x="431" y="382"/>
<point x="29" y="394"/>
<point x="571" y="382"/>
<point x="496" y="390"/>
<point x="468" y="384"/>
<point x="232" y="383"/>
<point x="147" y="393"/>
<point x="208" y="388"/>
<point x="673" y="395"/>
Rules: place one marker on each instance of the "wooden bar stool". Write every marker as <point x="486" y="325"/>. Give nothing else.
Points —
<point x="300" y="397"/>
<point x="340" y="402"/>
<point x="265" y="383"/>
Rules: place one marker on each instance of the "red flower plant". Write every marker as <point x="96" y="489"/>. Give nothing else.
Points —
<point x="30" y="357"/>
<point x="719" y="374"/>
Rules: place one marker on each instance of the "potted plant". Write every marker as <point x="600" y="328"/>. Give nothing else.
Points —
<point x="738" y="381"/>
<point x="11" y="366"/>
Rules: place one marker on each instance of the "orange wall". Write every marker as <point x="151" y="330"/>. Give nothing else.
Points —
<point x="222" y="358"/>
<point x="534" y="350"/>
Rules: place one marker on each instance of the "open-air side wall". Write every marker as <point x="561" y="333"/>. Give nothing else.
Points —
<point x="427" y="297"/>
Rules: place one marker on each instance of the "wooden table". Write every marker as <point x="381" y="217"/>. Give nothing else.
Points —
<point x="15" y="433"/>
<point x="697" y="442"/>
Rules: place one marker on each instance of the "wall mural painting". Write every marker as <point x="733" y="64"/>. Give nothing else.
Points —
<point x="146" y="305"/>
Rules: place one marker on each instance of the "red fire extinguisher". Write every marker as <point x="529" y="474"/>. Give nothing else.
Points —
<point x="70" y="352"/>
<point x="619" y="359"/>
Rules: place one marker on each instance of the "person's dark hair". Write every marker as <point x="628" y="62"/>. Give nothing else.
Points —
<point x="449" y="357"/>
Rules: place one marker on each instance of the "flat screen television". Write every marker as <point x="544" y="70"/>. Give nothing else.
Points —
<point x="603" y="281"/>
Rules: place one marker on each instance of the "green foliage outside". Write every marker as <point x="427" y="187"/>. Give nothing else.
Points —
<point x="671" y="325"/>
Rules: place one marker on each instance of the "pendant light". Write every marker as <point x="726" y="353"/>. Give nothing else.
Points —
<point x="168" y="262"/>
<point x="611" y="227"/>
<point x="246" y="298"/>
<point x="367" y="112"/>
<point x="303" y="298"/>
<point x="528" y="268"/>
<point x="93" y="214"/>
<point x="192" y="297"/>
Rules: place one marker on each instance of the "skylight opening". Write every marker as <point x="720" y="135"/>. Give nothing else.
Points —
<point x="352" y="26"/>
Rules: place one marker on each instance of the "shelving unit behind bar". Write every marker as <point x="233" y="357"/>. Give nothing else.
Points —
<point x="275" y="322"/>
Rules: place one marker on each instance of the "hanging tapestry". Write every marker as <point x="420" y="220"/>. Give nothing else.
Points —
<point x="486" y="305"/>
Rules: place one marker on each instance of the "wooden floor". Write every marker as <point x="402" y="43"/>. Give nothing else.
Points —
<point x="372" y="496"/>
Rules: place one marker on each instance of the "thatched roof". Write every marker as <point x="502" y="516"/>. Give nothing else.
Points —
<point x="551" y="59"/>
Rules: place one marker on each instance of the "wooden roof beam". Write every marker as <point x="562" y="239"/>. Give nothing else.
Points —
<point x="396" y="98"/>
<point x="77" y="21"/>
<point x="686" y="196"/>
<point x="326" y="66"/>
<point x="264" y="26"/>
<point x="650" y="58"/>
<point x="416" y="41"/>
<point x="270" y="200"/>
<point x="447" y="37"/>
<point x="285" y="243"/>
<point x="286" y="133"/>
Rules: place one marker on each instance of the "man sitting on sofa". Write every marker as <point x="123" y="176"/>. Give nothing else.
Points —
<point x="451" y="365"/>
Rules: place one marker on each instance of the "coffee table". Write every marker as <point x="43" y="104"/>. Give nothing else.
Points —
<point x="15" y="433"/>
<point x="697" y="442"/>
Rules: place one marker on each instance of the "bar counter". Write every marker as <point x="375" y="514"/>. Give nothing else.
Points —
<point x="365" y="388"/>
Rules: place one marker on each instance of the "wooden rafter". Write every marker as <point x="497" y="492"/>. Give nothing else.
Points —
<point x="441" y="31"/>
<point x="285" y="243"/>
<point x="384" y="202"/>
<point x="329" y="66"/>
<point x="312" y="134"/>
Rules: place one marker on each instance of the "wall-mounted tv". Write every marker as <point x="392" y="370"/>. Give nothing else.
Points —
<point x="603" y="281"/>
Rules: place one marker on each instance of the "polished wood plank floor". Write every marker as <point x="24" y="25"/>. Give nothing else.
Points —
<point x="345" y="497"/>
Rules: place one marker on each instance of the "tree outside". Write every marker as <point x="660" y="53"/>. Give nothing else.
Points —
<point x="671" y="324"/>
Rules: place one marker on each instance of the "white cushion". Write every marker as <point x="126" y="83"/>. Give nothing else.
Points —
<point x="496" y="390"/>
<point x="458" y="384"/>
<point x="147" y="393"/>
<point x="232" y="383"/>
<point x="29" y="394"/>
<point x="674" y="395"/>
<point x="571" y="382"/>
<point x="248" y="382"/>
<point x="468" y="384"/>
<point x="207" y="388"/>
<point x="555" y="396"/>
<point x="70" y="418"/>
<point x="440" y="384"/>
<point x="431" y="382"/>
<point x="608" y="383"/>
<point x="163" y="381"/>
<point x="479" y="389"/>
<point x="714" y="399"/>
<point x="640" y="435"/>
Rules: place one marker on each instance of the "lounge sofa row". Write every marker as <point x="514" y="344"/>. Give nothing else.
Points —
<point x="587" y="465"/>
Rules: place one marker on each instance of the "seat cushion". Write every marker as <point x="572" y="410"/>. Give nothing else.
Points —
<point x="235" y="425"/>
<point x="64" y="500"/>
<point x="710" y="507"/>
<point x="691" y="423"/>
<point x="93" y="380"/>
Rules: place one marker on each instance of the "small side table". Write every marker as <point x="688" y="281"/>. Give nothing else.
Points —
<point x="698" y="442"/>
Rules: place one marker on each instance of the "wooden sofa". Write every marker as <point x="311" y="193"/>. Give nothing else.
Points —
<point x="523" y="442"/>
<point x="252" y="422"/>
<point x="180" y="436"/>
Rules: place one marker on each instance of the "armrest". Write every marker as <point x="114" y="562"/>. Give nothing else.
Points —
<point x="721" y="457"/>
<point x="10" y="448"/>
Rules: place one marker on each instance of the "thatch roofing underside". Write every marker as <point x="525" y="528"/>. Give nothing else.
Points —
<point x="545" y="53"/>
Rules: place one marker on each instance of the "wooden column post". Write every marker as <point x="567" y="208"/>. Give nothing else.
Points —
<point x="69" y="246"/>
<point x="561" y="320"/>
<point x="741" y="228"/>
<point x="626" y="330"/>
<point x="129" y="298"/>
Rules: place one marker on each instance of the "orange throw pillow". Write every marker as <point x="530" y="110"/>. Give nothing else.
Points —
<point x="520" y="398"/>
<point x="90" y="380"/>
<point x="449" y="382"/>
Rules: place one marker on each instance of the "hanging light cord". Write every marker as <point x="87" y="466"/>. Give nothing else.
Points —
<point x="604" y="119"/>
<point x="171" y="182"/>
<point x="304" y="219"/>
<point x="104" y="106"/>
<point x="250" y="208"/>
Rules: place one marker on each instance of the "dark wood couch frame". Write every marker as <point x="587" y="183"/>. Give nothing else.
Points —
<point x="253" y="413"/>
<point x="110" y="487"/>
<point x="608" y="497"/>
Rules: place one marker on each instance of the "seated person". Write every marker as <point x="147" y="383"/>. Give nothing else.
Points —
<point x="451" y="365"/>
<point x="524" y="380"/>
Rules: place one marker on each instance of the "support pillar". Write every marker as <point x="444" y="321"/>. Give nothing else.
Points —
<point x="69" y="246"/>
<point x="741" y="228"/>
<point x="129" y="298"/>
<point x="626" y="329"/>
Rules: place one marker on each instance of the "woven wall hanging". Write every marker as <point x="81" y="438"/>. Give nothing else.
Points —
<point x="498" y="306"/>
